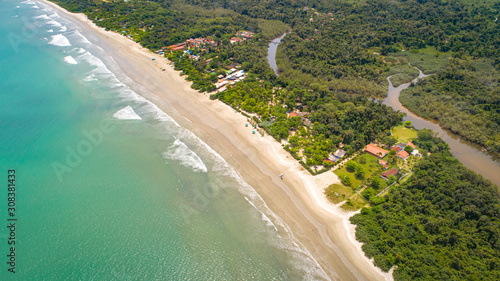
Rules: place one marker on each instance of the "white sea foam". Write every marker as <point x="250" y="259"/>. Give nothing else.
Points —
<point x="70" y="60"/>
<point x="63" y="28"/>
<point x="50" y="30"/>
<point x="100" y="67"/>
<point x="180" y="152"/>
<point x="44" y="16"/>
<point x="82" y="38"/>
<point x="81" y="50"/>
<point x="35" y="7"/>
<point x="28" y="2"/>
<point x="127" y="113"/>
<point x="91" y="59"/>
<point x="59" y="40"/>
<point x="54" y="23"/>
<point x="90" y="78"/>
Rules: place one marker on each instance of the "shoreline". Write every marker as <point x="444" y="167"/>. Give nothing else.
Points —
<point x="323" y="228"/>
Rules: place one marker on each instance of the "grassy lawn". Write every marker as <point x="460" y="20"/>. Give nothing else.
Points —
<point x="403" y="134"/>
<point x="370" y="167"/>
<point x="355" y="203"/>
<point x="337" y="193"/>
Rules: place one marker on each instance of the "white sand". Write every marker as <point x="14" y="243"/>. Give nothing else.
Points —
<point x="298" y="199"/>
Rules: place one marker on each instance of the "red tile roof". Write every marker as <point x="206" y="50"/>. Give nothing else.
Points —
<point x="411" y="144"/>
<point x="391" y="172"/>
<point x="383" y="163"/>
<point x="403" y="154"/>
<point x="375" y="150"/>
<point x="293" y="114"/>
<point x="396" y="148"/>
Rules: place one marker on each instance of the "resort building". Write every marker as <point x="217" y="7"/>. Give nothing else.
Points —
<point x="339" y="154"/>
<point x="375" y="151"/>
<point x="383" y="163"/>
<point x="391" y="172"/>
<point x="396" y="148"/>
<point x="403" y="155"/>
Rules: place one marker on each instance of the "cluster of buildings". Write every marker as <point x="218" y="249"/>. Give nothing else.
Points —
<point x="399" y="148"/>
<point x="201" y="41"/>
<point x="232" y="77"/>
<point x="241" y="36"/>
<point x="190" y="43"/>
<point x="401" y="153"/>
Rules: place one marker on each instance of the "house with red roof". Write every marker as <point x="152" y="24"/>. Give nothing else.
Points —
<point x="397" y="149"/>
<point x="375" y="151"/>
<point x="391" y="172"/>
<point x="403" y="155"/>
<point x="383" y="163"/>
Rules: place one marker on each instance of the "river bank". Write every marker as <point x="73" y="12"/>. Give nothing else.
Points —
<point x="271" y="53"/>
<point x="298" y="200"/>
<point x="470" y="154"/>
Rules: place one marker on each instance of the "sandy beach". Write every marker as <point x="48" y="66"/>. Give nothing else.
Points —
<point x="298" y="199"/>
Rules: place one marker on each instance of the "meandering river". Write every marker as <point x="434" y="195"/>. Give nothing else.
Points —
<point x="470" y="154"/>
<point x="271" y="53"/>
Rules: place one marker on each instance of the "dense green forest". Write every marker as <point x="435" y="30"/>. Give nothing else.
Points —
<point x="349" y="46"/>
<point x="441" y="224"/>
<point x="160" y="23"/>
<point x="341" y="41"/>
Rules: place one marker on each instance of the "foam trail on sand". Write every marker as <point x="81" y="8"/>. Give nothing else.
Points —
<point x="59" y="40"/>
<point x="63" y="28"/>
<point x="70" y="60"/>
<point x="127" y="113"/>
<point x="180" y="152"/>
<point x="264" y="217"/>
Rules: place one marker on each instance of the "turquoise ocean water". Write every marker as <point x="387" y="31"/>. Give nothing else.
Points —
<point x="108" y="187"/>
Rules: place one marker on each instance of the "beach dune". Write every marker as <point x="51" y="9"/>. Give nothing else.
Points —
<point x="298" y="199"/>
